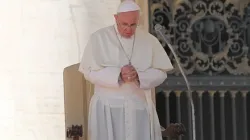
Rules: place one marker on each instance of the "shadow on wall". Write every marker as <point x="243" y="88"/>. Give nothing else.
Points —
<point x="76" y="100"/>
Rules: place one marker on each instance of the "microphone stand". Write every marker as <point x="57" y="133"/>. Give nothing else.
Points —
<point x="159" y="30"/>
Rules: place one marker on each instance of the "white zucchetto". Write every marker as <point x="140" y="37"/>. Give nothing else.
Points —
<point x="127" y="6"/>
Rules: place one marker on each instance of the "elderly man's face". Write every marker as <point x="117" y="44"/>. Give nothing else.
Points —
<point x="127" y="23"/>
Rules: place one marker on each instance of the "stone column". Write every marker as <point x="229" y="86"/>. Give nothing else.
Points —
<point x="144" y="14"/>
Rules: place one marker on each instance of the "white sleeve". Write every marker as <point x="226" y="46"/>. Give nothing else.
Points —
<point x="108" y="77"/>
<point x="93" y="72"/>
<point x="151" y="78"/>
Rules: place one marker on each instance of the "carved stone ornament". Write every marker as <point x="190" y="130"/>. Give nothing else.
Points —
<point x="210" y="37"/>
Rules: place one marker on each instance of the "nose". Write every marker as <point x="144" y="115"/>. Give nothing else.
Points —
<point x="129" y="30"/>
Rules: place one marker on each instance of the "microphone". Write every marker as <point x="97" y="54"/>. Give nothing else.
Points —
<point x="159" y="29"/>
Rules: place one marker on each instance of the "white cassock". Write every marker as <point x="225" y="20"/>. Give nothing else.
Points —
<point x="123" y="111"/>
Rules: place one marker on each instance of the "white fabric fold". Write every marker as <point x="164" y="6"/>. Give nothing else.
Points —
<point x="107" y="76"/>
<point x="151" y="78"/>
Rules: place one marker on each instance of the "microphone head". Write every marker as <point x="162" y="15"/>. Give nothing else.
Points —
<point x="158" y="27"/>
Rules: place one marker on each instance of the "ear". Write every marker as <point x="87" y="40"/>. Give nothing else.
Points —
<point x="116" y="16"/>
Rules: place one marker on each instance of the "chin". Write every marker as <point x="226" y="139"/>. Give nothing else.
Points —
<point x="128" y="36"/>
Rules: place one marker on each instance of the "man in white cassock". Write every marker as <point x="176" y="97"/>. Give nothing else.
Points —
<point x="124" y="63"/>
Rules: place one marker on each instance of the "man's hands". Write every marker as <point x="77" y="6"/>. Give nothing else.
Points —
<point x="129" y="74"/>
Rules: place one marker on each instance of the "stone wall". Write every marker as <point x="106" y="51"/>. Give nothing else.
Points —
<point x="38" y="39"/>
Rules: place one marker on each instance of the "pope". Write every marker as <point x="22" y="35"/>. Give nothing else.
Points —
<point x="125" y="64"/>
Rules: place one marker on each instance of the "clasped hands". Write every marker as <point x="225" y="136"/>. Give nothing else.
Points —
<point x="129" y="74"/>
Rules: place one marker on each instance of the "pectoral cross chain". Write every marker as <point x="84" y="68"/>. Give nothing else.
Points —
<point x="129" y="58"/>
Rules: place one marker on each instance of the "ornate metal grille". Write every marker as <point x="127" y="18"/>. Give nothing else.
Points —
<point x="212" y="40"/>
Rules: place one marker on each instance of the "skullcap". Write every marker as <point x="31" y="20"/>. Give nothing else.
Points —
<point x="127" y="6"/>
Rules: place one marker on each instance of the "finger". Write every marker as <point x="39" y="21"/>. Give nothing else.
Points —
<point x="131" y="78"/>
<point x="125" y="71"/>
<point x="127" y="76"/>
<point x="132" y="73"/>
<point x="126" y="79"/>
<point x="131" y="67"/>
<point x="134" y="77"/>
<point x="128" y="68"/>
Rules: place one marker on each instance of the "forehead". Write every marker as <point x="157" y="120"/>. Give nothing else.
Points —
<point x="129" y="16"/>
